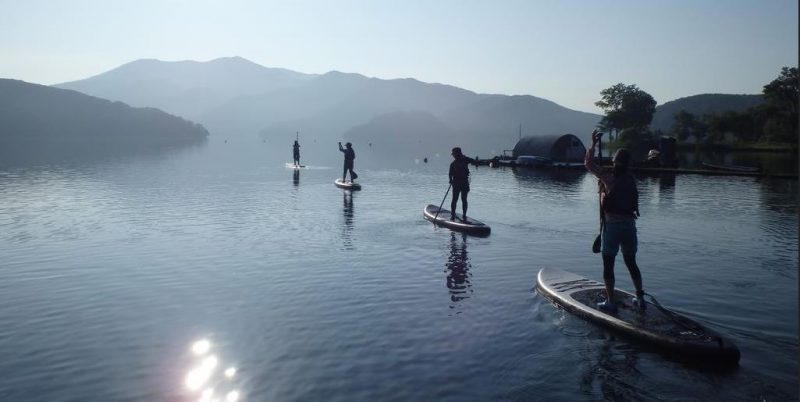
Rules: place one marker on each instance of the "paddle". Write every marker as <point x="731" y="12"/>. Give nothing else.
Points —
<point x="596" y="246"/>
<point x="440" y="205"/>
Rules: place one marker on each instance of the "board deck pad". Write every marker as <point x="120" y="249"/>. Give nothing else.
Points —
<point x="655" y="325"/>
<point x="347" y="185"/>
<point x="471" y="226"/>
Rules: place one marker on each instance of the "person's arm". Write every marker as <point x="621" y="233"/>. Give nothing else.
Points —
<point x="588" y="160"/>
<point x="340" y="147"/>
<point x="450" y="174"/>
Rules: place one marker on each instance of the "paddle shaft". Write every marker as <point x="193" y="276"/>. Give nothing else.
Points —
<point x="442" y="203"/>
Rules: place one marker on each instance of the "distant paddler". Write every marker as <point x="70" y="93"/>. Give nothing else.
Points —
<point x="459" y="180"/>
<point x="349" y="157"/>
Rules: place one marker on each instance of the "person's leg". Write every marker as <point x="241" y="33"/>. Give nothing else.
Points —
<point x="454" y="202"/>
<point x="629" y="243"/>
<point x="344" y="172"/>
<point x="636" y="274"/>
<point x="464" y="204"/>
<point x="610" y="247"/>
<point x="608" y="276"/>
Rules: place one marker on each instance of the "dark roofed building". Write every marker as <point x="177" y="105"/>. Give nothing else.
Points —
<point x="565" y="148"/>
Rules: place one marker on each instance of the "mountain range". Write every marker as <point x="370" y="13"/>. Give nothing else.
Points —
<point x="234" y="97"/>
<point x="38" y="119"/>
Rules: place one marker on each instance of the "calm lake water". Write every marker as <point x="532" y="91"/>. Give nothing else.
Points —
<point x="112" y="274"/>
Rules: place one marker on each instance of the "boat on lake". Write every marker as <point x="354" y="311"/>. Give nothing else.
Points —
<point x="732" y="168"/>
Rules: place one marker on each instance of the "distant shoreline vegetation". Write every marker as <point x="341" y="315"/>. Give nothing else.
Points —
<point x="769" y="124"/>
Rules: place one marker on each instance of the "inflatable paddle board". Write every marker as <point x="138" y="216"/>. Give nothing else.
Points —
<point x="665" y="329"/>
<point x="471" y="226"/>
<point x="347" y="185"/>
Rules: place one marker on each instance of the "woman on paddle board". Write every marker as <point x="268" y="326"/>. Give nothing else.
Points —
<point x="349" y="156"/>
<point x="296" y="153"/>
<point x="619" y="202"/>
<point x="459" y="179"/>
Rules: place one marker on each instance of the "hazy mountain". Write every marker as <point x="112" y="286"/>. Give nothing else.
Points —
<point x="248" y="115"/>
<point x="234" y="97"/>
<point x="484" y="123"/>
<point x="185" y="88"/>
<point x="37" y="118"/>
<point x="699" y="105"/>
<point x="408" y="134"/>
<point x="496" y="121"/>
<point x="342" y="101"/>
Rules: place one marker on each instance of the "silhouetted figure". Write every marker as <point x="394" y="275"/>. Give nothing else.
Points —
<point x="349" y="156"/>
<point x="425" y="160"/>
<point x="619" y="201"/>
<point x="459" y="179"/>
<point x="296" y="153"/>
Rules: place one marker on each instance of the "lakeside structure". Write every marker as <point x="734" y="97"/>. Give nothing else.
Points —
<point x="566" y="152"/>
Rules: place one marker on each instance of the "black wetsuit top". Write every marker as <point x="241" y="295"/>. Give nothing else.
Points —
<point x="459" y="172"/>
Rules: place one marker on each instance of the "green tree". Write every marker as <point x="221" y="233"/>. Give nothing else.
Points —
<point x="626" y="106"/>
<point x="684" y="125"/>
<point x="781" y="96"/>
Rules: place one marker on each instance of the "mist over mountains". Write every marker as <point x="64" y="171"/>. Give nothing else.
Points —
<point x="46" y="123"/>
<point x="233" y="97"/>
<point x="236" y="98"/>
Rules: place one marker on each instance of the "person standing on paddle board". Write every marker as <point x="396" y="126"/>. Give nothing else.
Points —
<point x="619" y="202"/>
<point x="349" y="156"/>
<point x="459" y="179"/>
<point x="296" y="153"/>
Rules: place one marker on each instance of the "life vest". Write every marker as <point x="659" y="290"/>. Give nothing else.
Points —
<point x="623" y="197"/>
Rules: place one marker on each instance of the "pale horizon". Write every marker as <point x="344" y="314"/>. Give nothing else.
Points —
<point x="565" y="52"/>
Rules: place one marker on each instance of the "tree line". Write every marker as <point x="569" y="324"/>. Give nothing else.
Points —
<point x="629" y="112"/>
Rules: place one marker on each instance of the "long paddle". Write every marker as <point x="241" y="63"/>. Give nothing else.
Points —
<point x="596" y="246"/>
<point x="440" y="205"/>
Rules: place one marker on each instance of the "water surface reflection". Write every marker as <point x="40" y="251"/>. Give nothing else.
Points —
<point x="458" y="266"/>
<point x="206" y="380"/>
<point x="348" y="214"/>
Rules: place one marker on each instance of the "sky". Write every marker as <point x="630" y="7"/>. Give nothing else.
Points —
<point x="565" y="51"/>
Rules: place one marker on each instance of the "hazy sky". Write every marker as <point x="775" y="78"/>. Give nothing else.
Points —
<point x="566" y="51"/>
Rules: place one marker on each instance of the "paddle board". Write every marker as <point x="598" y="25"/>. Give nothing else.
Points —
<point x="472" y="226"/>
<point x="665" y="329"/>
<point x="293" y="166"/>
<point x="347" y="185"/>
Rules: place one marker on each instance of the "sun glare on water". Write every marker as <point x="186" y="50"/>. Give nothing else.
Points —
<point x="205" y="380"/>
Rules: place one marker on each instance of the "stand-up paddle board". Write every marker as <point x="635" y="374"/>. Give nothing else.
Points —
<point x="347" y="185"/>
<point x="668" y="330"/>
<point x="471" y="226"/>
<point x="293" y="166"/>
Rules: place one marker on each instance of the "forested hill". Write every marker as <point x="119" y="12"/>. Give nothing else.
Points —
<point x="47" y="117"/>
<point x="700" y="105"/>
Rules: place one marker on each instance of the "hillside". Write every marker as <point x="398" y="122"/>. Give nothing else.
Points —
<point x="38" y="117"/>
<point x="235" y="97"/>
<point x="185" y="88"/>
<point x="699" y="105"/>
